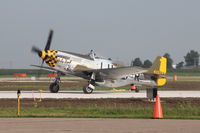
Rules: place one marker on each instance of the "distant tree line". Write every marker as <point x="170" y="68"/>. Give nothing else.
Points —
<point x="191" y="59"/>
<point x="137" y="62"/>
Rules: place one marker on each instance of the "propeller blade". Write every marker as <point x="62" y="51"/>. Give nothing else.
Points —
<point x="39" y="52"/>
<point x="48" y="44"/>
<point x="36" y="50"/>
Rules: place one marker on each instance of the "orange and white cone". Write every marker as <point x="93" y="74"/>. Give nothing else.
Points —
<point x="158" y="108"/>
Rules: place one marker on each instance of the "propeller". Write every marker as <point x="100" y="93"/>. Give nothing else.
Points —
<point x="37" y="50"/>
<point x="47" y="47"/>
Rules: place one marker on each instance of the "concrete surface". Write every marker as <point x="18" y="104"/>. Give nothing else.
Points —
<point x="98" y="94"/>
<point x="82" y="125"/>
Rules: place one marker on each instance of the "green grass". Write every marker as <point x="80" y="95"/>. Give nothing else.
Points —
<point x="47" y="87"/>
<point x="186" y="79"/>
<point x="180" y="111"/>
<point x="94" y="112"/>
<point x="184" y="73"/>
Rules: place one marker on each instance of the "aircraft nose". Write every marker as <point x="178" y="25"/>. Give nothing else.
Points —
<point x="43" y="54"/>
<point x="50" y="57"/>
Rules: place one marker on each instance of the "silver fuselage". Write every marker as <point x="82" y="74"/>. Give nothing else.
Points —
<point x="74" y="64"/>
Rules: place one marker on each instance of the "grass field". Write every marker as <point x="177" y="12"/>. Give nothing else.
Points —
<point x="117" y="108"/>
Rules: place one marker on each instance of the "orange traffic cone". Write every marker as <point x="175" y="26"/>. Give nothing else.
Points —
<point x="133" y="87"/>
<point x="158" y="108"/>
<point x="174" y="78"/>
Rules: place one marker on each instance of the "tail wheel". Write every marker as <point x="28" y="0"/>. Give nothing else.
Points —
<point x="54" y="87"/>
<point x="87" y="90"/>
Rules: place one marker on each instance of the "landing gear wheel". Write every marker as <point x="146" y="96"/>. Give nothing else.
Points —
<point x="54" y="87"/>
<point x="136" y="90"/>
<point x="87" y="90"/>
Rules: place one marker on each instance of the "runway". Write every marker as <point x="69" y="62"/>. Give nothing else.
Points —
<point x="82" y="125"/>
<point x="98" y="94"/>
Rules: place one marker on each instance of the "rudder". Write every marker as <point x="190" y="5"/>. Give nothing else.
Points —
<point x="159" y="66"/>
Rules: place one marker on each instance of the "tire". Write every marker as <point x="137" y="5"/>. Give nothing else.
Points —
<point x="54" y="87"/>
<point x="136" y="90"/>
<point x="87" y="90"/>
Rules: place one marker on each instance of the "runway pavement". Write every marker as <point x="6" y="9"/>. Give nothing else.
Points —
<point x="82" y="125"/>
<point x="98" y="94"/>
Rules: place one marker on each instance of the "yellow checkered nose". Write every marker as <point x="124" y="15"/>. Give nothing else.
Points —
<point x="50" y="57"/>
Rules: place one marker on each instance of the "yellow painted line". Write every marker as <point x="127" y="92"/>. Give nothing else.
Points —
<point x="119" y="90"/>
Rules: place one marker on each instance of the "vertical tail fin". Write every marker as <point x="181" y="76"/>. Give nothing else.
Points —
<point x="159" y="66"/>
<point x="158" y="69"/>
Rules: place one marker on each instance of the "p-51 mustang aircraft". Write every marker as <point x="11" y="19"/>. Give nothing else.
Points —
<point x="98" y="71"/>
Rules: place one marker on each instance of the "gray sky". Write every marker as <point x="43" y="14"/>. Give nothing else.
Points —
<point x="120" y="29"/>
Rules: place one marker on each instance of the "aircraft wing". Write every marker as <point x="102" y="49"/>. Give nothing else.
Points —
<point x="44" y="68"/>
<point x="49" y="69"/>
<point x="114" y="73"/>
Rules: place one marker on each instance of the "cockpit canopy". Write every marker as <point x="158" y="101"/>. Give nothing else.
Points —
<point x="93" y="55"/>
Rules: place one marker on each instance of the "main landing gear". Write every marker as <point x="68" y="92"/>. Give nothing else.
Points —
<point x="90" y="87"/>
<point x="54" y="86"/>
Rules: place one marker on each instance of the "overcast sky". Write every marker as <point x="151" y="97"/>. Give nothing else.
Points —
<point x="120" y="29"/>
